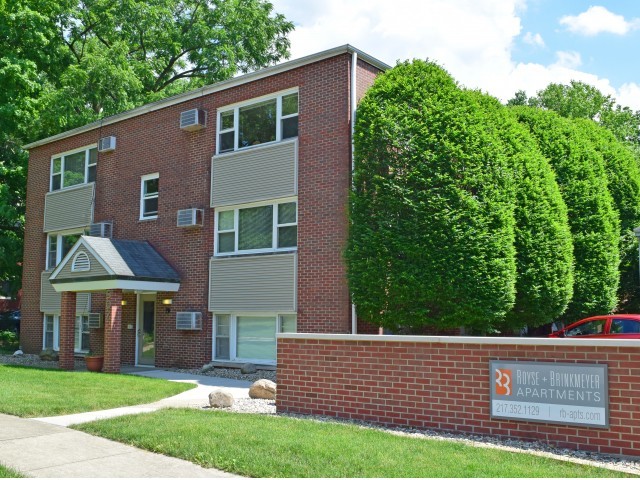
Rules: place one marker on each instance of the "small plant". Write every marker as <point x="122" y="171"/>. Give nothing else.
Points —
<point x="9" y="341"/>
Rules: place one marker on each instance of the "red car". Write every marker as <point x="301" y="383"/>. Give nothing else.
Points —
<point x="603" y="326"/>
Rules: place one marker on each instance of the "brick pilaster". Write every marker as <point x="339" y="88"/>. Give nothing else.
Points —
<point x="67" y="329"/>
<point x="112" y="331"/>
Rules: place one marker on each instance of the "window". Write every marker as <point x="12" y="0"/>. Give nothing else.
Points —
<point x="259" y="122"/>
<point x="250" y="337"/>
<point x="75" y="168"/>
<point x="593" y="327"/>
<point x="51" y="332"/>
<point x="58" y="245"/>
<point x="149" y="196"/>
<point x="624" y="325"/>
<point x="261" y="228"/>
<point x="81" y="343"/>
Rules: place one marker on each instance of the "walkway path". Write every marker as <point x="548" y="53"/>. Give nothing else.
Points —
<point x="43" y="447"/>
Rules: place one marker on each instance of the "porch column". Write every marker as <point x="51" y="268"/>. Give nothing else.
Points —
<point x="67" y="330"/>
<point x="112" y="331"/>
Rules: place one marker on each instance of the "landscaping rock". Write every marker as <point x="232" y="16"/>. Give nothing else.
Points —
<point x="207" y="368"/>
<point x="263" y="388"/>
<point x="248" y="368"/>
<point x="220" y="398"/>
<point x="49" y="354"/>
<point x="17" y="353"/>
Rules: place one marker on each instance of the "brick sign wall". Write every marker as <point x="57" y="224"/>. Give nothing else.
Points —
<point x="444" y="383"/>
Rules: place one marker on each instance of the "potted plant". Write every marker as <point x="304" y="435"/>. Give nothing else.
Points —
<point x="94" y="361"/>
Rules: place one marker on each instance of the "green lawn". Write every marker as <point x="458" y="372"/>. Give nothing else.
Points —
<point x="36" y="392"/>
<point x="6" y="472"/>
<point x="267" y="446"/>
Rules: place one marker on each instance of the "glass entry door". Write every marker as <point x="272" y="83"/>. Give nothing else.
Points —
<point x="147" y="330"/>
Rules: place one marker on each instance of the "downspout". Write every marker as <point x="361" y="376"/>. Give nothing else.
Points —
<point x="354" y="65"/>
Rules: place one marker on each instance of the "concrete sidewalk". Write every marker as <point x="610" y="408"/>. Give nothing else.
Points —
<point x="38" y="449"/>
<point x="43" y="447"/>
<point x="195" y="398"/>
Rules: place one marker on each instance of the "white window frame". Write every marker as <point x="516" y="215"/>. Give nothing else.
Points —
<point x="233" y="337"/>
<point x="61" y="156"/>
<point x="236" y="119"/>
<point x="59" y="240"/>
<point x="56" y="331"/>
<point x="143" y="179"/>
<point x="274" y="225"/>
<point x="77" y="342"/>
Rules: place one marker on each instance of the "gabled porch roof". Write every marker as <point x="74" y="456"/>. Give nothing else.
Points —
<point x="96" y="263"/>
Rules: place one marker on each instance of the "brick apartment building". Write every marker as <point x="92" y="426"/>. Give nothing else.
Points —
<point x="194" y="228"/>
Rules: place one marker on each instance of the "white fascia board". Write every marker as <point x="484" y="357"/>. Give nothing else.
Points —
<point x="544" y="341"/>
<point x="116" y="284"/>
<point x="217" y="87"/>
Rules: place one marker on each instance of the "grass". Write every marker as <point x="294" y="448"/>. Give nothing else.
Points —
<point x="36" y="392"/>
<point x="266" y="446"/>
<point x="6" y="472"/>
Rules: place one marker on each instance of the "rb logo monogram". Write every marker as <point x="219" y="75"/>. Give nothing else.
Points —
<point x="503" y="381"/>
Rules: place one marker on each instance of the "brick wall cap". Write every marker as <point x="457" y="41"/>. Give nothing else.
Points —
<point x="216" y="87"/>
<point x="466" y="340"/>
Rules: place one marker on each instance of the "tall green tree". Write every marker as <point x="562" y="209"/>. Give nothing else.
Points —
<point x="581" y="100"/>
<point x="623" y="178"/>
<point x="64" y="63"/>
<point x="432" y="225"/>
<point x="543" y="243"/>
<point x="593" y="219"/>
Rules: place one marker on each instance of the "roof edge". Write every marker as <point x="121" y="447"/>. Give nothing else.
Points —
<point x="209" y="89"/>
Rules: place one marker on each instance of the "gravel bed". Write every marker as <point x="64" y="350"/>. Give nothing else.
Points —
<point x="268" y="407"/>
<point x="31" y="360"/>
<point x="233" y="373"/>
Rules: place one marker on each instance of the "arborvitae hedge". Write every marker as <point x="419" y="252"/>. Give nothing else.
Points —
<point x="623" y="176"/>
<point x="432" y="221"/>
<point x="544" y="248"/>
<point x="592" y="217"/>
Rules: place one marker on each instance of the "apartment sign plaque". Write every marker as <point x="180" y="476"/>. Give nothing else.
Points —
<point x="566" y="393"/>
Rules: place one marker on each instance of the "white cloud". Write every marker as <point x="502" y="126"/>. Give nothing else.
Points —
<point x="532" y="39"/>
<point x="472" y="39"/>
<point x="629" y="95"/>
<point x="599" y="20"/>
<point x="568" y="59"/>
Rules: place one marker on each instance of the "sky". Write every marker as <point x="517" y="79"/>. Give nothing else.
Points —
<point x="498" y="46"/>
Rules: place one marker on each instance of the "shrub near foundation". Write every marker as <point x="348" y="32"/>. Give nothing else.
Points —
<point x="593" y="218"/>
<point x="432" y="210"/>
<point x="544" y="248"/>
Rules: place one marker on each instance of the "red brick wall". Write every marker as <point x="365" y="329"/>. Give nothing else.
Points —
<point x="153" y="142"/>
<point x="445" y="386"/>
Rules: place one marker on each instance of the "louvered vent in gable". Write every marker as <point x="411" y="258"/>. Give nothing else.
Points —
<point x="81" y="263"/>
<point x="189" y="321"/>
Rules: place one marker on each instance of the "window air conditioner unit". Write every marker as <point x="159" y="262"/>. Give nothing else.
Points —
<point x="191" y="217"/>
<point x="95" y="320"/>
<point x="189" y="321"/>
<point x="194" y="119"/>
<point x="101" y="229"/>
<point x="107" y="144"/>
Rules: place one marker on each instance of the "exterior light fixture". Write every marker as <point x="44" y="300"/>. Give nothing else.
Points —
<point x="123" y="302"/>
<point x="167" y="301"/>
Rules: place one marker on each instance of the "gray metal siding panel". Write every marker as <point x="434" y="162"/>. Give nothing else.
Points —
<point x="253" y="284"/>
<point x="50" y="299"/>
<point x="96" y="268"/>
<point x="72" y="208"/>
<point x="254" y="175"/>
